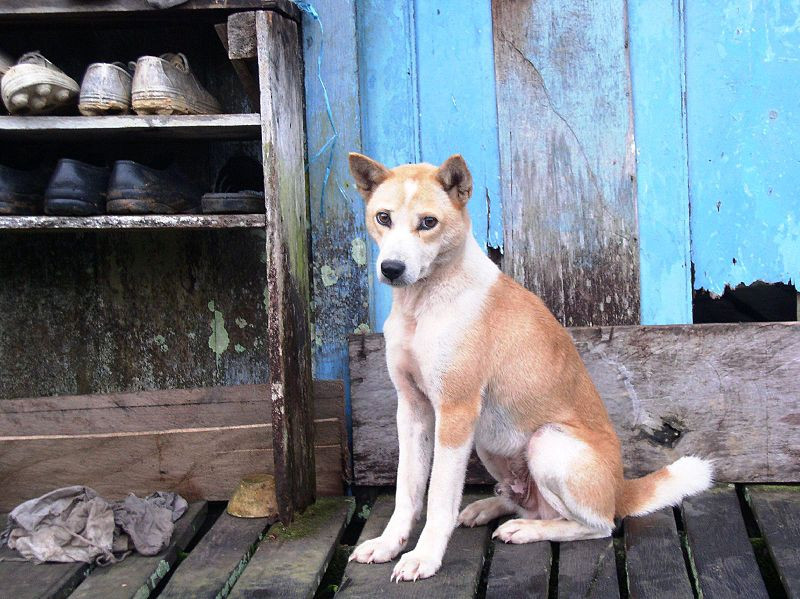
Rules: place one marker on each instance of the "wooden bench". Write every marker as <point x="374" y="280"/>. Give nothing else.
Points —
<point x="724" y="391"/>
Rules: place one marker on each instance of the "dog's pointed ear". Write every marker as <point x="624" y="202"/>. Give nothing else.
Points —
<point x="367" y="172"/>
<point x="455" y="179"/>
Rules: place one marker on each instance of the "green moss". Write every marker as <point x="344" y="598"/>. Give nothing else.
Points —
<point x="309" y="521"/>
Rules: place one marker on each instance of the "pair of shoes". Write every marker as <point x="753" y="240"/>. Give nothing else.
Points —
<point x="78" y="188"/>
<point x="160" y="85"/>
<point x="34" y="85"/>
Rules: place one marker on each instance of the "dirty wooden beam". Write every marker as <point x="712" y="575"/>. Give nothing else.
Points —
<point x="567" y="157"/>
<point x="280" y="66"/>
<point x="225" y="32"/>
<point x="710" y="390"/>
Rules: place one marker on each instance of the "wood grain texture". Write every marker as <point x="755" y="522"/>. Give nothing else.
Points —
<point x="457" y="578"/>
<point x="710" y="390"/>
<point x="242" y="34"/>
<point x="198" y="442"/>
<point x="777" y="511"/>
<point x="26" y="580"/>
<point x="657" y="56"/>
<point x="519" y="571"/>
<point x="289" y="562"/>
<point x="138" y="575"/>
<point x="719" y="548"/>
<point x="567" y="157"/>
<point x="280" y="66"/>
<point x="653" y="558"/>
<point x="129" y="127"/>
<point x="144" y="221"/>
<point x="338" y="236"/>
<point x="587" y="569"/>
<point x="241" y="38"/>
<point x="217" y="561"/>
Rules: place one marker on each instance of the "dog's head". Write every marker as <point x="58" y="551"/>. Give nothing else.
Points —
<point x="416" y="213"/>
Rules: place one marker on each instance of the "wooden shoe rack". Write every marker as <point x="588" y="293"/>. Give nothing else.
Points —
<point x="154" y="352"/>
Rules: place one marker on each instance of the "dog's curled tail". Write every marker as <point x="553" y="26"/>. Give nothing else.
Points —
<point x="665" y="487"/>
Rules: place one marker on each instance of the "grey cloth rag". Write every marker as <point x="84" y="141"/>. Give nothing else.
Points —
<point x="75" y="524"/>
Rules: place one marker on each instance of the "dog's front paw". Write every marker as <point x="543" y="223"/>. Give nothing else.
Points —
<point x="415" y="565"/>
<point x="377" y="550"/>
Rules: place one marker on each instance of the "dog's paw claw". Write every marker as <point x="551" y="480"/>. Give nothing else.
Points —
<point x="376" y="551"/>
<point x="413" y="566"/>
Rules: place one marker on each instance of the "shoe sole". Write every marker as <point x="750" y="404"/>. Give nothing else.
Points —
<point x="233" y="203"/>
<point x="103" y="106"/>
<point x="69" y="207"/>
<point x="145" y="206"/>
<point x="37" y="91"/>
<point x="165" y="103"/>
<point x="20" y="204"/>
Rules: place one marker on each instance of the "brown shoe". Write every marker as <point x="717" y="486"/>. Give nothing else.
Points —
<point x="166" y="85"/>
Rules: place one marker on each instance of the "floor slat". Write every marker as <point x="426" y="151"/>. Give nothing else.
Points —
<point x="289" y="562"/>
<point x="458" y="577"/>
<point x="720" y="549"/>
<point x="216" y="562"/>
<point x="653" y="557"/>
<point x="519" y="571"/>
<point x="26" y="580"/>
<point x="587" y="569"/>
<point x="777" y="511"/>
<point x="138" y="575"/>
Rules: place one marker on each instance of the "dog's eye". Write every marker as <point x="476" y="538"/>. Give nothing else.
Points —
<point x="429" y="222"/>
<point x="384" y="219"/>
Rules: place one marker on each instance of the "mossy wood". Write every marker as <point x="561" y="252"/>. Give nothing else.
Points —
<point x="720" y="549"/>
<point x="290" y="561"/>
<point x="138" y="575"/>
<point x="280" y="66"/>
<point x="214" y="565"/>
<point x="457" y="579"/>
<point x="777" y="511"/>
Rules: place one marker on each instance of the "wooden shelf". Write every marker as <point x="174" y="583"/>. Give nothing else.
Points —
<point x="16" y="10"/>
<point x="145" y="221"/>
<point x="77" y="128"/>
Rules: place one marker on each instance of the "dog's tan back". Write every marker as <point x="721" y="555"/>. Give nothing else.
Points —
<point x="479" y="361"/>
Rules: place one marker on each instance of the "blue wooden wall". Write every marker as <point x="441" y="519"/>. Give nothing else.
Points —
<point x="715" y="107"/>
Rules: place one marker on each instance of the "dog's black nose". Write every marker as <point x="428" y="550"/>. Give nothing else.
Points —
<point x="392" y="269"/>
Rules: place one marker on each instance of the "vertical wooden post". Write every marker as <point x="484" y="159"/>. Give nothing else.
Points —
<point x="280" y="70"/>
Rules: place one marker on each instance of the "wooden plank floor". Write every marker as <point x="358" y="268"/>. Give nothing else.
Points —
<point x="724" y="543"/>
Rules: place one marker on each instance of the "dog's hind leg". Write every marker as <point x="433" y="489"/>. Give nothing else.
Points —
<point x="575" y="480"/>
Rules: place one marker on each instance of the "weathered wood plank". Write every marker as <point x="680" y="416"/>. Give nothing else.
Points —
<point x="567" y="157"/>
<point x="199" y="442"/>
<point x="290" y="561"/>
<point x="587" y="569"/>
<point x="241" y="34"/>
<point x="519" y="571"/>
<point x="457" y="578"/>
<point x="720" y="550"/>
<point x="138" y="575"/>
<point x="656" y="32"/>
<point x="217" y="561"/>
<point x="148" y="221"/>
<point x="710" y="390"/>
<point x="130" y="127"/>
<point x="280" y="67"/>
<point x="122" y="8"/>
<point x="777" y="511"/>
<point x="26" y="580"/>
<point x="653" y="557"/>
<point x="338" y="236"/>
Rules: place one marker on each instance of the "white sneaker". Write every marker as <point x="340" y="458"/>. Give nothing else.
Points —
<point x="105" y="89"/>
<point x="36" y="86"/>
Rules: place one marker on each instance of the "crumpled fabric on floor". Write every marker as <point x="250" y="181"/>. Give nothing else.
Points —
<point x="75" y="524"/>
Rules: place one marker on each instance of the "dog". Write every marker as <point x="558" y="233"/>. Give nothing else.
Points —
<point x="479" y="361"/>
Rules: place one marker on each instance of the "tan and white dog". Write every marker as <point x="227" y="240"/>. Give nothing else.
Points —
<point x="477" y="360"/>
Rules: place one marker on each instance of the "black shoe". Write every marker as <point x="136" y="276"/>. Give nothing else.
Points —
<point x="76" y="189"/>
<point x="138" y="189"/>
<point x="238" y="188"/>
<point x="21" y="190"/>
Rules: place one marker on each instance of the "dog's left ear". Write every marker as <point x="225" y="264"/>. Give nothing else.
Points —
<point x="455" y="179"/>
<point x="368" y="173"/>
